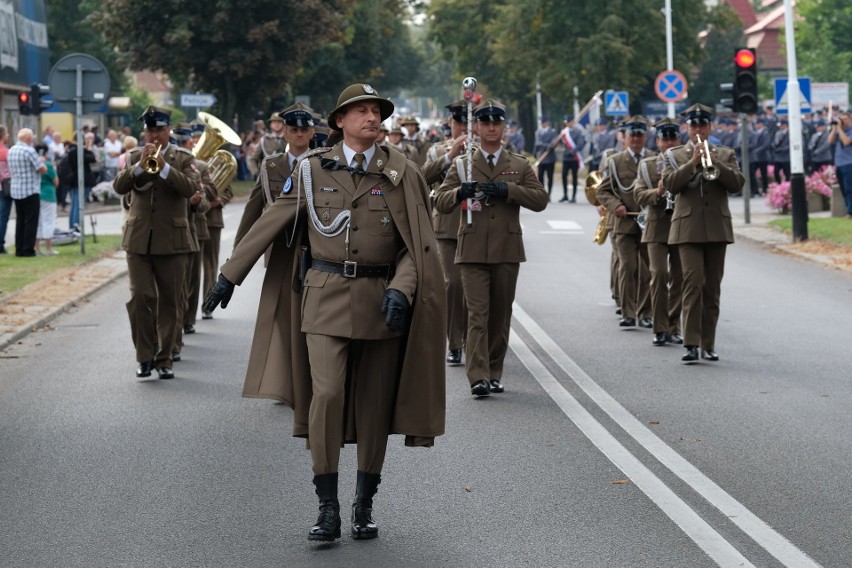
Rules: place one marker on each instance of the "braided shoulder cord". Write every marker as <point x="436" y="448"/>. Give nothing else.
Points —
<point x="613" y="174"/>
<point x="338" y="224"/>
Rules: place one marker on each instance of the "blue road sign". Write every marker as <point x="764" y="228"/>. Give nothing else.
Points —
<point x="198" y="100"/>
<point x="670" y="86"/>
<point x="781" y="102"/>
<point x="615" y="103"/>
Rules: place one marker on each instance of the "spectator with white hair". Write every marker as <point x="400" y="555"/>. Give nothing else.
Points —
<point x="26" y="167"/>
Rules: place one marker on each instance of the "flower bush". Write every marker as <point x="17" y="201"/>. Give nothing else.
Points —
<point x="816" y="183"/>
<point x="780" y="195"/>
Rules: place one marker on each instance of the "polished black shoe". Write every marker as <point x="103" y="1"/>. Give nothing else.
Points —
<point x="627" y="322"/>
<point x="660" y="338"/>
<point x="480" y="388"/>
<point x="709" y="354"/>
<point x="175" y="356"/>
<point x="144" y="369"/>
<point x="647" y="323"/>
<point x="564" y="199"/>
<point x="495" y="386"/>
<point x="618" y="311"/>
<point x="327" y="527"/>
<point x="691" y="353"/>
<point x="572" y="200"/>
<point x="363" y="525"/>
<point x="675" y="338"/>
<point x="189" y="329"/>
<point x="454" y="357"/>
<point x="166" y="373"/>
<point x="207" y="315"/>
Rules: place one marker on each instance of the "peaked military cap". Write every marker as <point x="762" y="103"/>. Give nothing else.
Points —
<point x="698" y="114"/>
<point x="197" y="127"/>
<point x="182" y="131"/>
<point x="357" y="93"/>
<point x="298" y="114"/>
<point x="637" y="123"/>
<point x="458" y="110"/>
<point x="667" y="128"/>
<point x="156" y="116"/>
<point x="489" y="110"/>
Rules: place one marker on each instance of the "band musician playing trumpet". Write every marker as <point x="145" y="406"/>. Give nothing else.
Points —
<point x="616" y="194"/>
<point x="701" y="175"/>
<point x="663" y="259"/>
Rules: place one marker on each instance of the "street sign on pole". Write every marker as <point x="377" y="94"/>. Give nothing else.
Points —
<point x="615" y="103"/>
<point x="670" y="86"/>
<point x="782" y="105"/>
<point x="79" y="83"/>
<point x="197" y="100"/>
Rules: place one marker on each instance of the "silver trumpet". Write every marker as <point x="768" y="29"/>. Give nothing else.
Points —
<point x="710" y="171"/>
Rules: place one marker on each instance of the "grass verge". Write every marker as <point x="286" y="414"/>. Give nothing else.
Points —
<point x="241" y="187"/>
<point x="836" y="230"/>
<point x="17" y="272"/>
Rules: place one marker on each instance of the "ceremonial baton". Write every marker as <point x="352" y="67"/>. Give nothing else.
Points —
<point x="469" y="86"/>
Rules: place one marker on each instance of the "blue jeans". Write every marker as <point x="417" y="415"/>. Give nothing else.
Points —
<point x="74" y="215"/>
<point x="5" y="209"/>
<point x="844" y="178"/>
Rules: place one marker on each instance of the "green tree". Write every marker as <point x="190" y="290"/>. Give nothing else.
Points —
<point x="724" y="36"/>
<point x="824" y="39"/>
<point x="243" y="51"/>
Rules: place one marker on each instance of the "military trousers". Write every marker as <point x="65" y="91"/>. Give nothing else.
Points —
<point x="210" y="259"/>
<point x="633" y="276"/>
<point x="353" y="392"/>
<point x="157" y="284"/>
<point x="456" y="308"/>
<point x="666" y="287"/>
<point x="703" y="267"/>
<point x="193" y="286"/>
<point x="489" y="290"/>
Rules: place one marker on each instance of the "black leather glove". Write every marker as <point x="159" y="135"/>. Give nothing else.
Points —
<point x="467" y="190"/>
<point x="498" y="189"/>
<point x="395" y="307"/>
<point x="220" y="293"/>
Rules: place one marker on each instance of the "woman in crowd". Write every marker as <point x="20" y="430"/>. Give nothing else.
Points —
<point x="47" y="208"/>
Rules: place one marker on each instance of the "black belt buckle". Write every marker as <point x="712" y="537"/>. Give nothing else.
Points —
<point x="350" y="269"/>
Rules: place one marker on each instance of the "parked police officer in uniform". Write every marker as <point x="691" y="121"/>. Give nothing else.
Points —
<point x="701" y="228"/>
<point x="358" y="353"/>
<point x="490" y="247"/>
<point x="272" y="142"/>
<point x="820" y="149"/>
<point x="616" y="194"/>
<point x="666" y="285"/>
<point x="276" y="169"/>
<point x="157" y="240"/>
<point x="440" y="159"/>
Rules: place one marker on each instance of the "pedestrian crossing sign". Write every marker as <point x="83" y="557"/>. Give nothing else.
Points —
<point x="782" y="106"/>
<point x="615" y="103"/>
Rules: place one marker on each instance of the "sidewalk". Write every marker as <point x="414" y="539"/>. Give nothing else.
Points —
<point x="30" y="311"/>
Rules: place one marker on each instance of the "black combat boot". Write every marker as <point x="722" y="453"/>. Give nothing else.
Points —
<point x="363" y="526"/>
<point x="327" y="527"/>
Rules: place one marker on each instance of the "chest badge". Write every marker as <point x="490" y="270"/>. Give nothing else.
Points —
<point x="385" y="220"/>
<point x="376" y="191"/>
<point x="288" y="185"/>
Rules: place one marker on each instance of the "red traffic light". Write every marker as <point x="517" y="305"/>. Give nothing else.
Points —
<point x="744" y="58"/>
<point x="23" y="98"/>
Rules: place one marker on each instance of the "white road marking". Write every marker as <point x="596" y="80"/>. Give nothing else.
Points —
<point x="564" y="225"/>
<point x="772" y="541"/>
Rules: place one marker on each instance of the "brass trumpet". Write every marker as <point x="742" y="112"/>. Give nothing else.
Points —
<point x="710" y="171"/>
<point x="151" y="164"/>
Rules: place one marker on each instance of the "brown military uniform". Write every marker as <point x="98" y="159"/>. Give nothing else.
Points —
<point x="157" y="239"/>
<point x="617" y="189"/>
<point x="702" y="229"/>
<point x="269" y="145"/>
<point x="663" y="259"/>
<point x="489" y="252"/>
<point x="395" y="380"/>
<point x="275" y="170"/>
<point x="200" y="232"/>
<point x="210" y="247"/>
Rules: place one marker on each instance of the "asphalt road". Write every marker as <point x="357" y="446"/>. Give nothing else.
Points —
<point x="604" y="451"/>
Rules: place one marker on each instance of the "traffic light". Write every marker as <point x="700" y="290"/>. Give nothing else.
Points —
<point x="24" y="104"/>
<point x="727" y="98"/>
<point x="37" y="98"/>
<point x="745" y="80"/>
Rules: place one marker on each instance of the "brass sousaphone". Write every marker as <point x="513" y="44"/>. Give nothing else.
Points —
<point x="593" y="180"/>
<point x="222" y="164"/>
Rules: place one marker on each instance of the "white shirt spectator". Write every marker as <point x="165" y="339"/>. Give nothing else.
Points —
<point x="56" y="149"/>
<point x="26" y="168"/>
<point x="112" y="147"/>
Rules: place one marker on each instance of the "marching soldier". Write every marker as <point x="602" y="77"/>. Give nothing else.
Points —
<point x="275" y="170"/>
<point x="357" y="353"/>
<point x="271" y="142"/>
<point x="663" y="259"/>
<point x="701" y="227"/>
<point x="215" y="224"/>
<point x="157" y="239"/>
<point x="491" y="248"/>
<point x="440" y="158"/>
<point x="411" y="137"/>
<point x="616" y="194"/>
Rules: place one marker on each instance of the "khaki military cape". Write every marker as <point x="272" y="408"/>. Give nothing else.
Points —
<point x="278" y="362"/>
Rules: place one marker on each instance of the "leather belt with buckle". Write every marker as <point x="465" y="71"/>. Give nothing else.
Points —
<point x="349" y="269"/>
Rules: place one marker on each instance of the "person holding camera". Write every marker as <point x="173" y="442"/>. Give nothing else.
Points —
<point x="841" y="137"/>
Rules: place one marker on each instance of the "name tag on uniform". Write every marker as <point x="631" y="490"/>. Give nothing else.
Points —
<point x="509" y="173"/>
<point x="376" y="191"/>
<point x="328" y="189"/>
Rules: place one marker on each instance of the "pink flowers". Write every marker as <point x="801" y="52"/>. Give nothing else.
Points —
<point x="780" y="195"/>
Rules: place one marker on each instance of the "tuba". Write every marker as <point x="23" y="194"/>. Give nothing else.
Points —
<point x="593" y="180"/>
<point x="222" y="164"/>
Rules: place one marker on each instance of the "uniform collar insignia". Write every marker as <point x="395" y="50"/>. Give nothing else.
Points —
<point x="393" y="174"/>
<point x="336" y="158"/>
<point x="379" y="163"/>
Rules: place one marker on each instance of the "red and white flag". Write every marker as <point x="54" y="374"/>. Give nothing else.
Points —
<point x="569" y="144"/>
